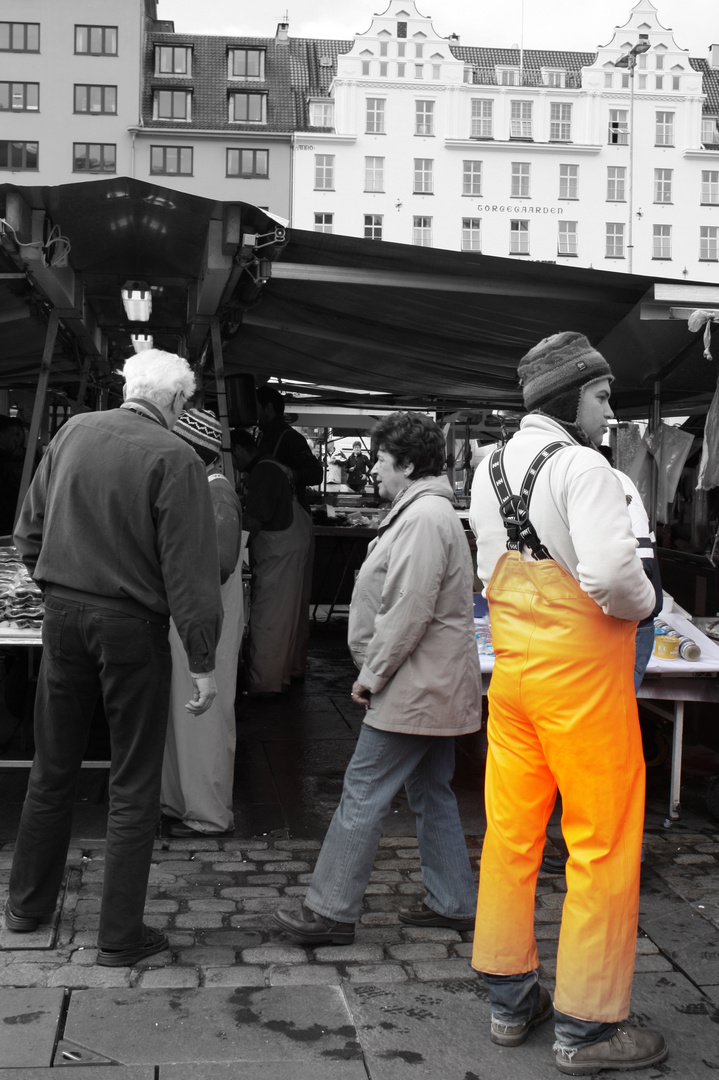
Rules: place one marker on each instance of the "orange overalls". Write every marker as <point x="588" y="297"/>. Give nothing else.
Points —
<point x="562" y="713"/>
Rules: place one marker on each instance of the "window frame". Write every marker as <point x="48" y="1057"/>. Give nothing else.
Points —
<point x="617" y="238"/>
<point x="519" y="236"/>
<point x="424" y="117"/>
<point x="180" y="151"/>
<point x="570" y="181"/>
<point x="104" y="30"/>
<point x="708" y="243"/>
<point x="11" y="83"/>
<point x="256" y="96"/>
<point x="254" y="173"/>
<point x="709" y="187"/>
<point x="375" y="116"/>
<point x="520" y="180"/>
<point x="481" y="115"/>
<point x="472" y="177"/>
<point x="568" y="229"/>
<point x="663" y="185"/>
<point x="616" y="183"/>
<point x="471" y="236"/>
<point x="324" y="170"/>
<point x="184" y="73"/>
<point x="172" y="93"/>
<point x="421" y="230"/>
<point x="232" y="50"/>
<point x="102" y="169"/>
<point x="664" y="129"/>
<point x="661" y="233"/>
<point x="89" y="87"/>
<point x="520" y="125"/>
<point x="327" y="107"/>
<point x="329" y="220"/>
<point x="560" y="121"/>
<point x="372" y="223"/>
<point x="373" y="174"/>
<point x="423" y="176"/>
<point x="618" y="128"/>
<point x="10" y="24"/>
<point x="24" y="144"/>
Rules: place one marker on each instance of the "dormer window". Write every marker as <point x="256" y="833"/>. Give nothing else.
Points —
<point x="322" y="114"/>
<point x="554" y="78"/>
<point x="508" y="76"/>
<point x="401" y="29"/>
<point x="245" y="63"/>
<point x="173" y="60"/>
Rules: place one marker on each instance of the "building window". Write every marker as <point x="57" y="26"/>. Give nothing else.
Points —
<point x="560" y="122"/>
<point x="708" y="241"/>
<point x="642" y="82"/>
<point x="664" y="132"/>
<point x="248" y="108"/>
<point x="508" y="76"/>
<point x="96" y="40"/>
<point x="419" y="71"/>
<point x="401" y="47"/>
<point x="518" y="237"/>
<point x="374" y="174"/>
<point x="663" y="185"/>
<point x="568" y="181"/>
<point x="95" y="99"/>
<point x="20" y="37"/>
<point x="662" y="242"/>
<point x="555" y="78"/>
<point x="521" y="120"/>
<point x="401" y="70"/>
<point x="383" y="69"/>
<point x="173" y="60"/>
<point x="324" y="172"/>
<point x="436" y="71"/>
<point x="248" y="163"/>
<point x="471" y="239"/>
<point x="365" y="67"/>
<point x="322" y="114"/>
<point x="616" y="182"/>
<point x="422" y="231"/>
<point x="94" y="157"/>
<point x="520" y="180"/>
<point x="423" y="176"/>
<point x="245" y="63"/>
<point x="618" y="127"/>
<point x="624" y="81"/>
<point x="171" y="160"/>
<point x="419" y="50"/>
<point x="658" y="82"/>
<point x="323" y="222"/>
<point x="481" y="126"/>
<point x="383" y="48"/>
<point x="710" y="187"/>
<point x="172" y="105"/>
<point x="615" y="240"/>
<point x="567" y="238"/>
<point x="18" y="155"/>
<point x="401" y="29"/>
<point x="659" y="61"/>
<point x="471" y="177"/>
<point x="710" y="131"/>
<point x="608" y="80"/>
<point x="375" y="115"/>
<point x="373" y="226"/>
<point x="424" y="118"/>
<point x="20" y="96"/>
<point x="676" y="82"/>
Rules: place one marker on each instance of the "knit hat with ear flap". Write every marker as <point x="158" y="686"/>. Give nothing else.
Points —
<point x="202" y="430"/>
<point x="554" y="373"/>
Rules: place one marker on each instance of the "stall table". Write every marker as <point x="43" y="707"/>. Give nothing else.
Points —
<point x="339" y="553"/>
<point x="678" y="681"/>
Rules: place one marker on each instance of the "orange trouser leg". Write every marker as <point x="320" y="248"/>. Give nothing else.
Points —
<point x="562" y="712"/>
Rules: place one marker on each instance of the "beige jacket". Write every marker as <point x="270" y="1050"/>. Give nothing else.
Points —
<point x="411" y="628"/>
<point x="580" y="513"/>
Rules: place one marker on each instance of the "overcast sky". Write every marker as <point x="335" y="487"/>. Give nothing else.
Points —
<point x="578" y="25"/>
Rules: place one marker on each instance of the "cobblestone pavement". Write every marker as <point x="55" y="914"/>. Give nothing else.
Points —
<point x="215" y="899"/>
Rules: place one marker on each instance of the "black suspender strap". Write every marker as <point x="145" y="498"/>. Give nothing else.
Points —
<point x="515" y="508"/>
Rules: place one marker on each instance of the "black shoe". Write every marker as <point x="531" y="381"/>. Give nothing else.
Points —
<point x="424" y="916"/>
<point x="309" y="928"/>
<point x="181" y="829"/>
<point x="553" y="864"/>
<point x="20" y="924"/>
<point x="154" y="941"/>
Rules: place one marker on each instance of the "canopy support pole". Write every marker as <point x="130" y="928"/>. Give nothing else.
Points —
<point x="222" y="398"/>
<point x="38" y="410"/>
<point x="655" y="420"/>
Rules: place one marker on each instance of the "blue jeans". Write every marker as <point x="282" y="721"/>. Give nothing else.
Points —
<point x="643" y="646"/>
<point x="514" y="999"/>
<point x="89" y="652"/>
<point x="382" y="762"/>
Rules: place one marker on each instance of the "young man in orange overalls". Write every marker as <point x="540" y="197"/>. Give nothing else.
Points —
<point x="565" y="591"/>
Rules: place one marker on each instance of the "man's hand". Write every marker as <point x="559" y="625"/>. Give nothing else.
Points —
<point x="204" y="692"/>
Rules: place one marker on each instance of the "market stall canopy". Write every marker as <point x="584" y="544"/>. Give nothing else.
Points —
<point x="351" y="322"/>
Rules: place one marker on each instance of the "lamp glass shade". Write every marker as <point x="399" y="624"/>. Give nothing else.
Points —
<point x="137" y="300"/>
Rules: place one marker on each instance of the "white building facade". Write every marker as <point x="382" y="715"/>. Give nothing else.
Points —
<point x="557" y="157"/>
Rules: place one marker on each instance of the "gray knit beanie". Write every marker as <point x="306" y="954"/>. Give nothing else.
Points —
<point x="554" y="373"/>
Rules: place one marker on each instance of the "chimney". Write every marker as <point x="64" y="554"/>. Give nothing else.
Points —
<point x="714" y="57"/>
<point x="282" y="31"/>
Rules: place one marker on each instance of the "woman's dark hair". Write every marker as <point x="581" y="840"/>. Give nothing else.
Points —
<point x="411" y="439"/>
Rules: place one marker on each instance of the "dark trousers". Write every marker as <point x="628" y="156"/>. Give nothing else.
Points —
<point x="89" y="652"/>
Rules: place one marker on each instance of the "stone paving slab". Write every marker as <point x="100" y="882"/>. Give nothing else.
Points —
<point x="28" y="1025"/>
<point x="284" y="1023"/>
<point x="263" y="1070"/>
<point x="82" y="1072"/>
<point x="688" y="939"/>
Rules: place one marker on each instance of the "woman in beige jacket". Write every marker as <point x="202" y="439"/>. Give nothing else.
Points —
<point x="411" y="637"/>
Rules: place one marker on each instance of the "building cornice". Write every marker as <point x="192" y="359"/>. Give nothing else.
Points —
<point x="210" y="133"/>
<point x="522" y="146"/>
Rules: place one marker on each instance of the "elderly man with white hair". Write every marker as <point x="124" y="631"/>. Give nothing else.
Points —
<point x="117" y="528"/>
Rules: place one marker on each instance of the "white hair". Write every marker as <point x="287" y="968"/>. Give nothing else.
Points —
<point x="158" y="376"/>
